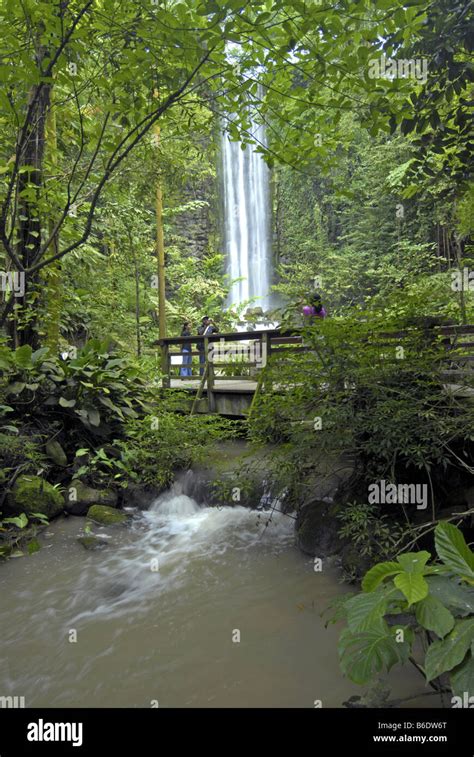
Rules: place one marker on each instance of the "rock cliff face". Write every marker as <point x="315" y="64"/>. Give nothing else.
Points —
<point x="196" y="229"/>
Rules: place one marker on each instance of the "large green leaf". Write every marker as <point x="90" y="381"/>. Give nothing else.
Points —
<point x="4" y="360"/>
<point x="16" y="387"/>
<point x="20" y="521"/>
<point x="366" y="610"/>
<point x="93" y="416"/>
<point x="445" y="654"/>
<point x="462" y="677"/>
<point x="108" y="403"/>
<point x="368" y="653"/>
<point x="39" y="354"/>
<point x="12" y="429"/>
<point x="41" y="516"/>
<point x="414" y="562"/>
<point x="23" y="356"/>
<point x="66" y="403"/>
<point x="458" y="597"/>
<point x="378" y="573"/>
<point x="453" y="551"/>
<point x="412" y="585"/>
<point x="433" y="615"/>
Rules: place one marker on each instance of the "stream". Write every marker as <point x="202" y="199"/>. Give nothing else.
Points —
<point x="154" y="618"/>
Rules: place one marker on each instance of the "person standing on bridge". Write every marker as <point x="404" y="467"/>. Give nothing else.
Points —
<point x="315" y="308"/>
<point x="186" y="349"/>
<point x="207" y="327"/>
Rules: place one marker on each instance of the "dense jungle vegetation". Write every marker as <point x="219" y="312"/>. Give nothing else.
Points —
<point x="109" y="109"/>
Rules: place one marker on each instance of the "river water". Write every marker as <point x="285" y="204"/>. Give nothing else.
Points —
<point x="187" y="606"/>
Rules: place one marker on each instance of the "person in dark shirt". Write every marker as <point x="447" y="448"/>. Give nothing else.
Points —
<point x="207" y="327"/>
<point x="186" y="349"/>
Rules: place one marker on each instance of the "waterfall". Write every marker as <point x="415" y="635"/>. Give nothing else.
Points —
<point x="246" y="180"/>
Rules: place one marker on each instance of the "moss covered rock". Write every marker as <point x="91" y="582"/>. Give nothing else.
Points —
<point x="32" y="494"/>
<point x="106" y="516"/>
<point x="80" y="497"/>
<point x="92" y="542"/>
<point x="56" y="453"/>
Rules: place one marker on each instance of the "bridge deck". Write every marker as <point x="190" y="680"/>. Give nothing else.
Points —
<point x="239" y="386"/>
<point x="234" y="395"/>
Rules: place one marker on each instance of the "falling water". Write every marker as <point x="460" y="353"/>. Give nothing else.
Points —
<point x="247" y="220"/>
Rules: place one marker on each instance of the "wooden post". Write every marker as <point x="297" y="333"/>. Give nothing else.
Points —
<point x="256" y="394"/>
<point x="200" y="390"/>
<point x="211" y="400"/>
<point x="265" y="354"/>
<point x="165" y="365"/>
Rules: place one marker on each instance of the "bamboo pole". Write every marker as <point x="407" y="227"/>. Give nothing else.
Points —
<point x="160" y="249"/>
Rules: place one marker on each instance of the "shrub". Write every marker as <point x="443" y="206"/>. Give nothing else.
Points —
<point x="433" y="600"/>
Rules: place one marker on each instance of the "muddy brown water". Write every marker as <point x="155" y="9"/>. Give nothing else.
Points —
<point x="155" y="618"/>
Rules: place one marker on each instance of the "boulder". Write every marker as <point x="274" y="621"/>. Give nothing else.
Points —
<point x="106" y="516"/>
<point x="32" y="494"/>
<point x="56" y="453"/>
<point x="462" y="498"/>
<point x="140" y="496"/>
<point x="317" y="529"/>
<point x="80" y="497"/>
<point x="92" y="542"/>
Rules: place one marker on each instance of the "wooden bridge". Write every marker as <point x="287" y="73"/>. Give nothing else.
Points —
<point x="216" y="386"/>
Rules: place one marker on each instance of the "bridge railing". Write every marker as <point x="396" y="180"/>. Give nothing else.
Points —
<point x="221" y="356"/>
<point x="246" y="349"/>
<point x="457" y="341"/>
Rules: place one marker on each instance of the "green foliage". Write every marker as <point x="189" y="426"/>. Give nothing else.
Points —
<point x="375" y="536"/>
<point x="19" y="449"/>
<point x="101" y="77"/>
<point x="359" y="233"/>
<point x="94" y="389"/>
<point x="436" y="595"/>
<point x="103" y="465"/>
<point x="454" y="552"/>
<point x="80" y="402"/>
<point x="359" y="389"/>
<point x="97" y="405"/>
<point x="19" y="529"/>
<point x="197" y="288"/>
<point x="158" y="446"/>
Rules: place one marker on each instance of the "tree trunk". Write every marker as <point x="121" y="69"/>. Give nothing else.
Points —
<point x="137" y="296"/>
<point x="30" y="181"/>
<point x="52" y="275"/>
<point x="160" y="250"/>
